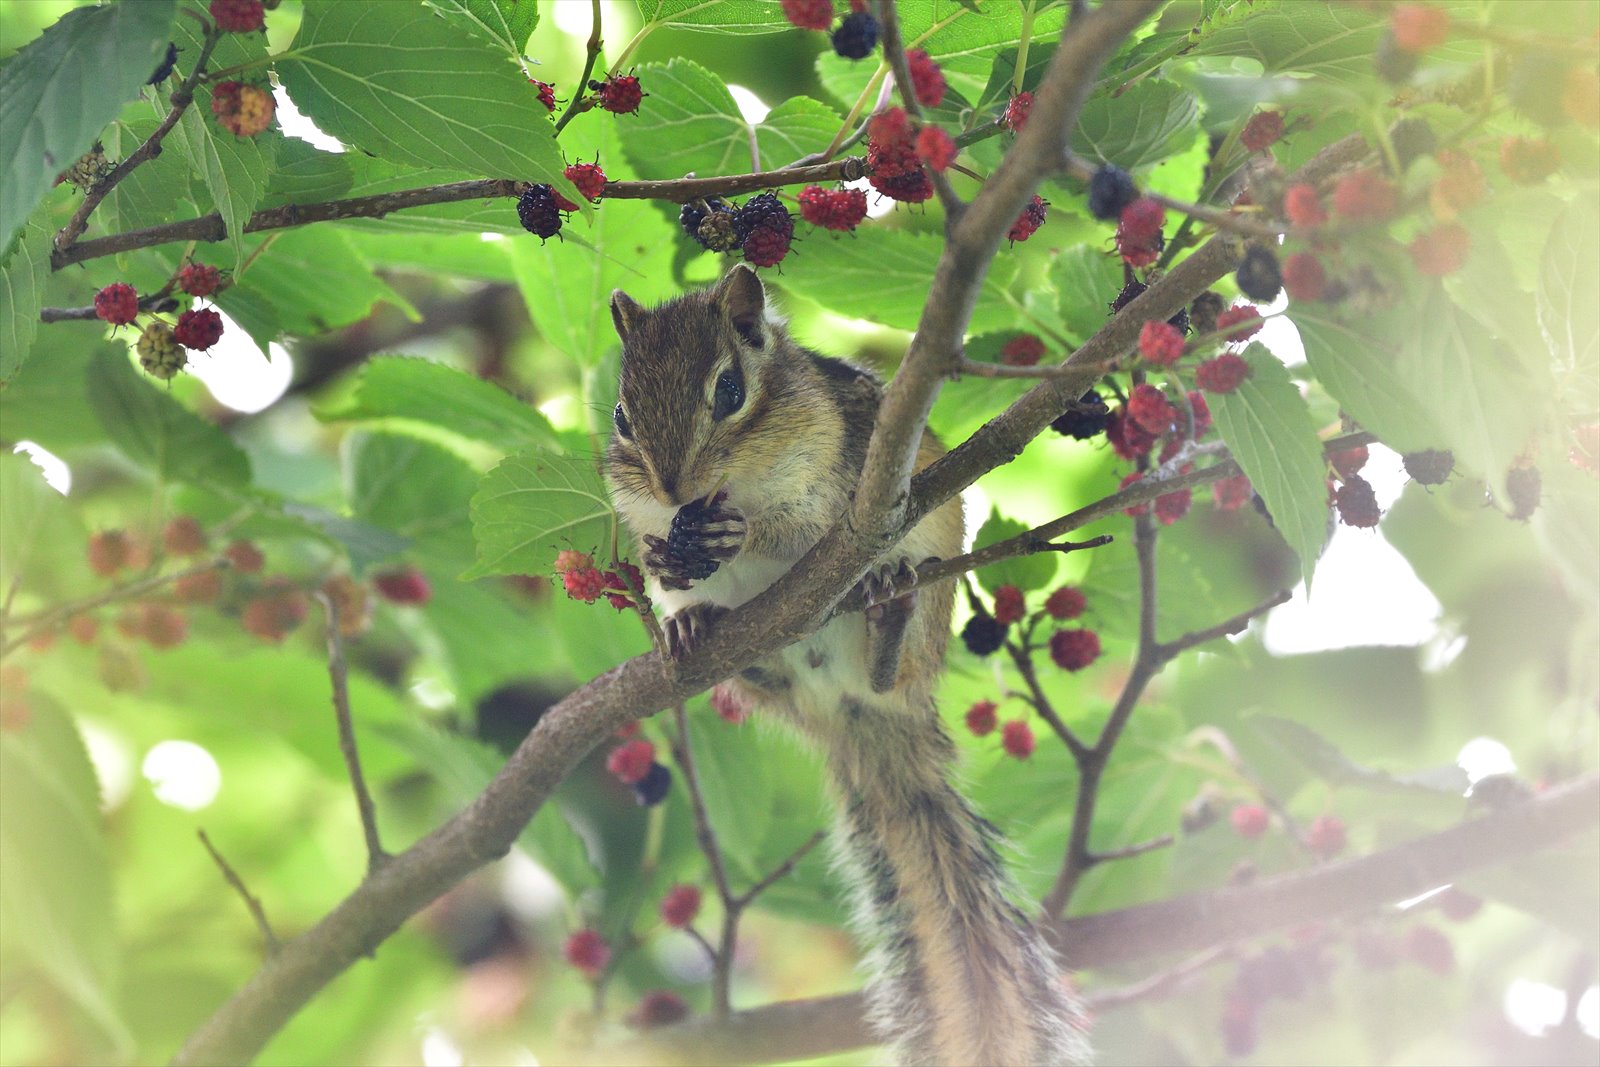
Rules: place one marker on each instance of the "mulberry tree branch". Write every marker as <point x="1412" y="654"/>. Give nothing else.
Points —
<point x="182" y="96"/>
<point x="1195" y="923"/>
<point x="212" y="228"/>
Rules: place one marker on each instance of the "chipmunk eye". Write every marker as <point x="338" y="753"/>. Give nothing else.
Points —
<point x="621" y="421"/>
<point x="730" y="393"/>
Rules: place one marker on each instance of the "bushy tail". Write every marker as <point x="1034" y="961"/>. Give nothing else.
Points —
<point x="961" y="976"/>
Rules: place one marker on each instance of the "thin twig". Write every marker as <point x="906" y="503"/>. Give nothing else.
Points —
<point x="979" y="369"/>
<point x="1171" y="649"/>
<point x="181" y="98"/>
<point x="706" y="836"/>
<point x="256" y="911"/>
<point x="1161" y="982"/>
<point x="51" y="618"/>
<point x="573" y="106"/>
<point x="1226" y="220"/>
<point x="781" y="871"/>
<point x="1139" y="849"/>
<point x="1022" y="658"/>
<point x="894" y="52"/>
<point x="338" y="673"/>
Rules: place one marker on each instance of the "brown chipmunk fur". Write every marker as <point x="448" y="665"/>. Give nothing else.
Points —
<point x="716" y="399"/>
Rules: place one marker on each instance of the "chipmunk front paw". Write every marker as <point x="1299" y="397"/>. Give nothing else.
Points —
<point x="684" y="630"/>
<point x="886" y="582"/>
<point x="704" y="535"/>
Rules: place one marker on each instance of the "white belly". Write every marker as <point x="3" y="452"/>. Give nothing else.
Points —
<point x="826" y="667"/>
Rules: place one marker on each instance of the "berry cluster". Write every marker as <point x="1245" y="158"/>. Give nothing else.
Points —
<point x="897" y="170"/>
<point x="236" y="587"/>
<point x="584" y="581"/>
<point x="1070" y="649"/>
<point x="762" y="228"/>
<point x="619" y="94"/>
<point x="163" y="348"/>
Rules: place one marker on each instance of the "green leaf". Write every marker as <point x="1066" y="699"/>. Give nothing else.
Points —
<point x="535" y="504"/>
<point x="363" y="542"/>
<point x="56" y="908"/>
<point x="307" y="281"/>
<point x="567" y="285"/>
<point x="885" y="277"/>
<point x="1479" y="395"/>
<point x="159" y="190"/>
<point x="23" y="273"/>
<point x="153" y="429"/>
<point x="1027" y="573"/>
<point x="1143" y="125"/>
<point x="61" y="90"/>
<point x="1085" y="279"/>
<point x="1269" y="430"/>
<point x="1332" y="41"/>
<point x="417" y="390"/>
<point x="35" y="525"/>
<point x="303" y="174"/>
<point x="690" y="124"/>
<point x="1356" y="364"/>
<point x="234" y="168"/>
<point x="403" y="83"/>
<point x="736" y="17"/>
<point x="413" y="488"/>
<point x="48" y="400"/>
<point x="508" y="23"/>
<point x="1333" y="766"/>
<point x="1568" y="280"/>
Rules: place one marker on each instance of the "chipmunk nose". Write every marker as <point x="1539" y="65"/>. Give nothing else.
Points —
<point x="669" y="491"/>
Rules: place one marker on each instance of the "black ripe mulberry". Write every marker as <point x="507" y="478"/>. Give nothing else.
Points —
<point x="1412" y="139"/>
<point x="1523" y="489"/>
<point x="1087" y="419"/>
<point x="1430" y="466"/>
<point x="1110" y="190"/>
<point x="652" y="788"/>
<point x="1357" y="503"/>
<point x="982" y="635"/>
<point x="537" y="210"/>
<point x="856" y="35"/>
<point x="763" y="212"/>
<point x="1259" y="276"/>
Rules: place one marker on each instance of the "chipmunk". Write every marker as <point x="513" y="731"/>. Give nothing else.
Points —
<point x="734" y="450"/>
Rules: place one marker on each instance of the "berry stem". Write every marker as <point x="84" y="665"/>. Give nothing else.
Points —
<point x="593" y="50"/>
<point x="181" y="98"/>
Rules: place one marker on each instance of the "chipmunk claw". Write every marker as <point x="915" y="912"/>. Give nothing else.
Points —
<point x="686" y="629"/>
<point x="888" y="582"/>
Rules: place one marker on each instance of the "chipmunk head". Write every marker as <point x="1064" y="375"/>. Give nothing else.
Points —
<point x="702" y="394"/>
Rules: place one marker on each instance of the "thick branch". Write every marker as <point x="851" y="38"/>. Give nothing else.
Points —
<point x="799" y="1030"/>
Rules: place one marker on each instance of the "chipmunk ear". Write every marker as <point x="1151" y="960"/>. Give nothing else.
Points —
<point x="625" y="312"/>
<point x="744" y="301"/>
